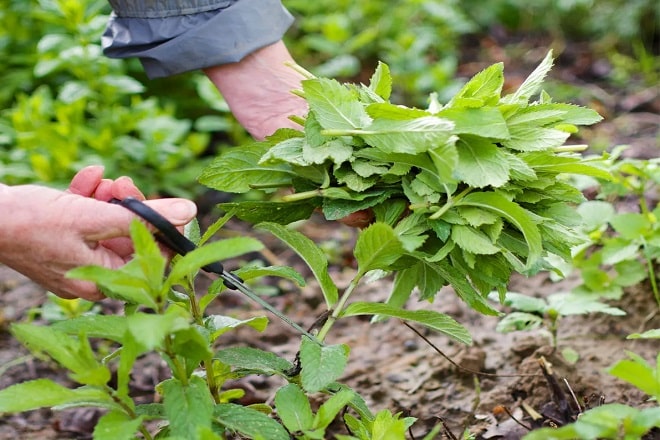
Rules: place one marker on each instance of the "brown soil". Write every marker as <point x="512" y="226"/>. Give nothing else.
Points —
<point x="390" y="365"/>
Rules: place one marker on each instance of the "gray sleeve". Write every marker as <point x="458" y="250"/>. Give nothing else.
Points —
<point x="170" y="36"/>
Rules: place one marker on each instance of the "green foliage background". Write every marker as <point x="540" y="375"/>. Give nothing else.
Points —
<point x="64" y="105"/>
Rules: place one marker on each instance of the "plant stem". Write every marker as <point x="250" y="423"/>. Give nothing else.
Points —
<point x="179" y="370"/>
<point x="339" y="308"/>
<point x="450" y="203"/>
<point x="302" y="195"/>
<point x="128" y="410"/>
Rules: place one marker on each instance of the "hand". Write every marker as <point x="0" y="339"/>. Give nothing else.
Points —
<point x="258" y="90"/>
<point x="50" y="232"/>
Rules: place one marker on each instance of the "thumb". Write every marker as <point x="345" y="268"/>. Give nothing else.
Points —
<point x="114" y="220"/>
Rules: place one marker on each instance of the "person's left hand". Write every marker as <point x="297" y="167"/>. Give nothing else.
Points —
<point x="50" y="232"/>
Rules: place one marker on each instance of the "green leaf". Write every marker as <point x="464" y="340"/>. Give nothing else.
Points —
<point x="428" y="318"/>
<point x="249" y="422"/>
<point x="335" y="106"/>
<point x="336" y="150"/>
<point x="463" y="287"/>
<point x="519" y="321"/>
<point x="117" y="284"/>
<point x="310" y="253"/>
<point x="381" y="81"/>
<point x="237" y="170"/>
<point x="44" y="393"/>
<point x="276" y="212"/>
<point x="293" y="408"/>
<point x="526" y="138"/>
<point x="73" y="353"/>
<point x="112" y="327"/>
<point x="481" y="163"/>
<point x="484" y="88"/>
<point x="639" y="373"/>
<point x="187" y="406"/>
<point x="412" y="136"/>
<point x="328" y="411"/>
<point x="514" y="214"/>
<point x="575" y="304"/>
<point x="321" y="365"/>
<point x="377" y="247"/>
<point x="211" y="253"/>
<point x="631" y="226"/>
<point x="219" y="324"/>
<point x="473" y="240"/>
<point x="649" y="334"/>
<point x="252" y="359"/>
<point x="150" y="330"/>
<point x="486" y="122"/>
<point x="116" y="425"/>
<point x="532" y="84"/>
<point x="249" y="272"/>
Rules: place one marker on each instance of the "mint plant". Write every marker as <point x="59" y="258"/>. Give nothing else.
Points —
<point x="623" y="247"/>
<point x="463" y="194"/>
<point x="530" y="313"/>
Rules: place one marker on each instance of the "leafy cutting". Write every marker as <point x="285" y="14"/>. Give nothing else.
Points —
<point x="471" y="191"/>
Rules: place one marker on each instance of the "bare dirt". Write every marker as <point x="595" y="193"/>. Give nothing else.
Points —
<point x="392" y="366"/>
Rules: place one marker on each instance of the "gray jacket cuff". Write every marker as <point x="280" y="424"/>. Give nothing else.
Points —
<point x="169" y="40"/>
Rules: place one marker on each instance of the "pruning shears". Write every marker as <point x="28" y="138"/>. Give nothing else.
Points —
<point x="170" y="236"/>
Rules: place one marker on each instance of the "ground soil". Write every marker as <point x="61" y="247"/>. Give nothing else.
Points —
<point x="390" y="365"/>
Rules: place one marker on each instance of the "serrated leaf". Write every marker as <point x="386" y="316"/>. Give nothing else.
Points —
<point x="526" y="138"/>
<point x="321" y="364"/>
<point x="288" y="151"/>
<point x="311" y="254"/>
<point x="486" y="122"/>
<point x="485" y="87"/>
<point x="514" y="214"/>
<point x="412" y="136"/>
<point x="335" y="106"/>
<point x="44" y="393"/>
<point x="219" y="324"/>
<point x="532" y="84"/>
<point x="519" y="321"/>
<point x="639" y="373"/>
<point x="187" y="406"/>
<point x="472" y="240"/>
<point x="340" y="208"/>
<point x="293" y="408"/>
<point x="335" y="150"/>
<point x="237" y="170"/>
<point x="73" y="353"/>
<point x="377" y="247"/>
<point x="428" y="318"/>
<point x="211" y="253"/>
<point x="276" y="212"/>
<point x="110" y="327"/>
<point x="253" y="359"/>
<point x="116" y="425"/>
<point x="481" y="163"/>
<point x="328" y="411"/>
<point x="249" y="422"/>
<point x="381" y="81"/>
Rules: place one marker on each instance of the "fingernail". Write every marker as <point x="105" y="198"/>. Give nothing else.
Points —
<point x="183" y="210"/>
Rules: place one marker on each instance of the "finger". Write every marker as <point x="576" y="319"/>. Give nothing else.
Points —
<point x="110" y="221"/>
<point x="85" y="181"/>
<point x="124" y="187"/>
<point x="104" y="190"/>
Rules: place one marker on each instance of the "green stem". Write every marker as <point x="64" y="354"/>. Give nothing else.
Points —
<point x="651" y="271"/>
<point x="339" y="308"/>
<point x="128" y="410"/>
<point x="570" y="148"/>
<point x="178" y="370"/>
<point x="302" y="195"/>
<point x="450" y="203"/>
<point x="207" y="362"/>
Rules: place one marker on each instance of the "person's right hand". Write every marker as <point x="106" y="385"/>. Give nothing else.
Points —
<point x="46" y="232"/>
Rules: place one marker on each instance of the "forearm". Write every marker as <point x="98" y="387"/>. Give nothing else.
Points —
<point x="258" y="89"/>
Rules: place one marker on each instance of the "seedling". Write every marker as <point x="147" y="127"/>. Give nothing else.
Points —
<point x="531" y="313"/>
